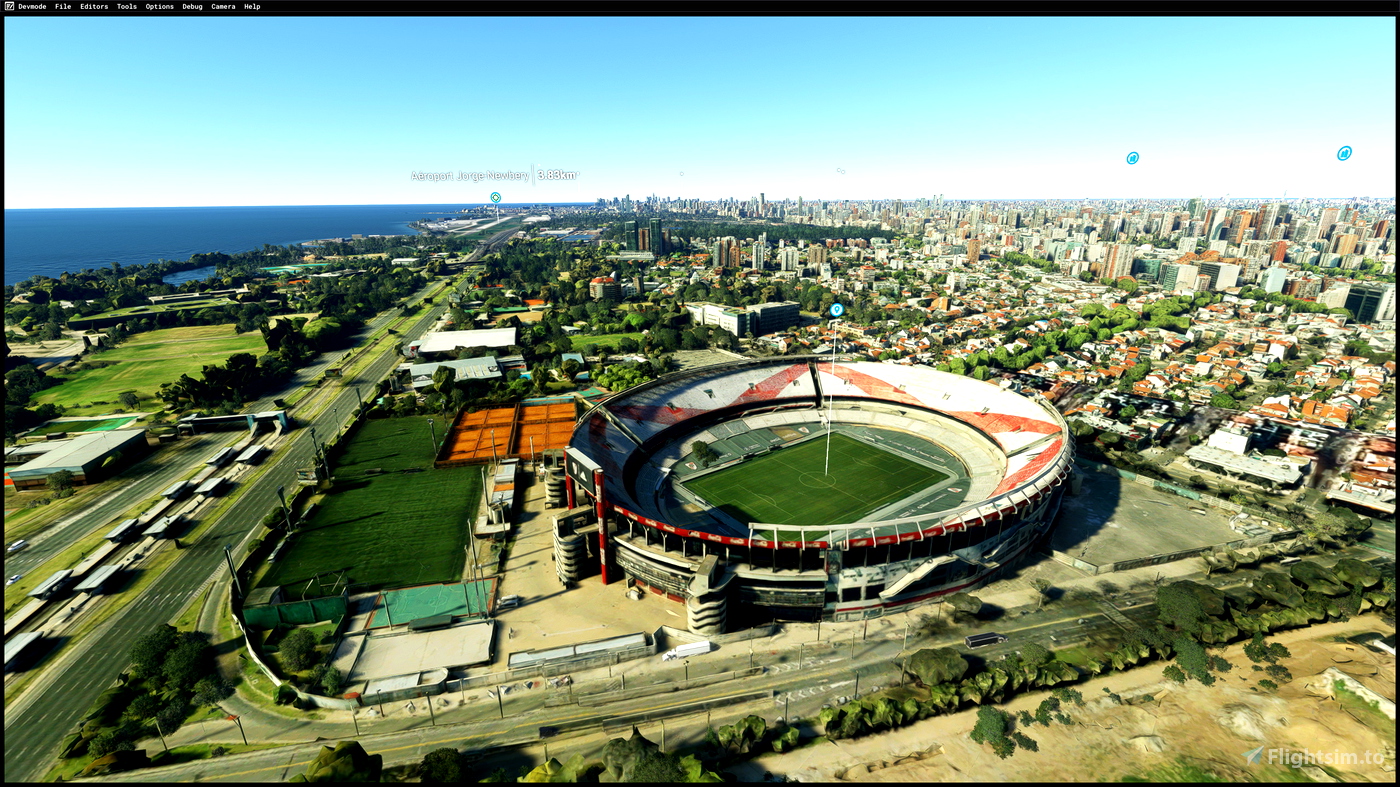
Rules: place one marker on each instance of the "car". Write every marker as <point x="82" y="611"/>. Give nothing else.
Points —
<point x="982" y="640"/>
<point x="12" y="580"/>
<point x="17" y="546"/>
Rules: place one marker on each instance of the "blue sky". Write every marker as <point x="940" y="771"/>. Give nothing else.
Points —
<point x="173" y="112"/>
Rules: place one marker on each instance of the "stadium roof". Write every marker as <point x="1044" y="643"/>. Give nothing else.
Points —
<point x="446" y="341"/>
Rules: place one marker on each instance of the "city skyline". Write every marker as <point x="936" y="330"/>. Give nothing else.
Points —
<point x="900" y="109"/>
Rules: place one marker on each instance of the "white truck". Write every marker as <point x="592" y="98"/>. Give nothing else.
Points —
<point x="688" y="649"/>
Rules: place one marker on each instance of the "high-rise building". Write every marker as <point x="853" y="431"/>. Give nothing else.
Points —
<point x="1381" y="227"/>
<point x="1119" y="262"/>
<point x="1151" y="269"/>
<point x="1168" y="224"/>
<point x="789" y="258"/>
<point x="1277" y="250"/>
<point x="605" y="288"/>
<point x="629" y="235"/>
<point x="1179" y="277"/>
<point x="1242" y="219"/>
<point x="1196" y="206"/>
<point x="1274" y="279"/>
<point x="1215" y="218"/>
<point x="1345" y="243"/>
<point x="1268" y="216"/>
<point x="1222" y="275"/>
<point x="657" y="244"/>
<point x="1371" y="301"/>
<point x="974" y="251"/>
<point x="1324" y="224"/>
<point x="1303" y="231"/>
<point x="1335" y="296"/>
<point x="760" y="255"/>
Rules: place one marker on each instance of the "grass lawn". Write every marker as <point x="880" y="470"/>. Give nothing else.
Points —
<point x="143" y="362"/>
<point x="391" y="529"/>
<point x="93" y="425"/>
<point x="788" y="487"/>
<point x="609" y="340"/>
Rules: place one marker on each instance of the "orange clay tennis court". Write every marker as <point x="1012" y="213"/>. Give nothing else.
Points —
<point x="507" y="432"/>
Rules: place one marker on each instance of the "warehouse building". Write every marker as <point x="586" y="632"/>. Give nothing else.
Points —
<point x="90" y="457"/>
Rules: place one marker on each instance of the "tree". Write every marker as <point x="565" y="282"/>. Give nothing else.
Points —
<point x="932" y="666"/>
<point x="1035" y="654"/>
<point x="129" y="399"/>
<point x="1191" y="655"/>
<point x="658" y="768"/>
<point x="172" y="716"/>
<point x="298" y="650"/>
<point x="1180" y="606"/>
<point x="441" y="766"/>
<point x="347" y="762"/>
<point x="187" y="663"/>
<point x="148" y="654"/>
<point x="991" y="729"/>
<point x="332" y="680"/>
<point x="59" y="481"/>
<point x="1127" y="413"/>
<point x="1042" y="589"/>
<point x="444" y="379"/>
<point x="210" y="689"/>
<point x="109" y="741"/>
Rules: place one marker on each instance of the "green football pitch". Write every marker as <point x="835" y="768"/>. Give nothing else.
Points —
<point x="389" y="529"/>
<point x="789" y="487"/>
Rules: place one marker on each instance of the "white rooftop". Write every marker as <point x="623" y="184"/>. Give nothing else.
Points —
<point x="446" y="341"/>
<point x="1279" y="473"/>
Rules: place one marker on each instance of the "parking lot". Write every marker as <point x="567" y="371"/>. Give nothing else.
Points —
<point x="1113" y="520"/>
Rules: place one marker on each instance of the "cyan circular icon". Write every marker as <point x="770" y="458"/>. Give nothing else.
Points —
<point x="1133" y="157"/>
<point x="495" y="196"/>
<point x="837" y="310"/>
<point x="1344" y="153"/>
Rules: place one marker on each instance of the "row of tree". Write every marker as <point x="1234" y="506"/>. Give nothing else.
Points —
<point x="171" y="673"/>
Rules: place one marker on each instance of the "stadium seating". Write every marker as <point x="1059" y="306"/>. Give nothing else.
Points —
<point x="651" y="410"/>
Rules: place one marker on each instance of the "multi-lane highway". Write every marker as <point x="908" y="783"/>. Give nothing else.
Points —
<point x="56" y="700"/>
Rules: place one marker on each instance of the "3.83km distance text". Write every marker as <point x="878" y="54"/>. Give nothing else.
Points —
<point x="507" y="175"/>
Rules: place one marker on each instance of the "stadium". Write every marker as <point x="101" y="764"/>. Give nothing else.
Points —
<point x="825" y="489"/>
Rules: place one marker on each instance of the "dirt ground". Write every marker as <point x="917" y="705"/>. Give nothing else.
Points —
<point x="1110" y="741"/>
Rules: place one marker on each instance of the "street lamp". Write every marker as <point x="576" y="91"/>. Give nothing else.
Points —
<point x="239" y="722"/>
<point x="433" y="433"/>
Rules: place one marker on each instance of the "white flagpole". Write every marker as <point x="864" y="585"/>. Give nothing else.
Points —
<point x="827" y="471"/>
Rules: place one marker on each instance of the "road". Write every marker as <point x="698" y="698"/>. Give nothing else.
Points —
<point x="146" y="479"/>
<point x="52" y="706"/>
<point x="150" y="476"/>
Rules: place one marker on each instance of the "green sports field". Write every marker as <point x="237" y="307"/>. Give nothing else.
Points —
<point x="788" y="487"/>
<point x="143" y="362"/>
<point x="390" y="529"/>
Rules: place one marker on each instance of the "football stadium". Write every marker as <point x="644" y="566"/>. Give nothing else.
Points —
<point x="809" y="488"/>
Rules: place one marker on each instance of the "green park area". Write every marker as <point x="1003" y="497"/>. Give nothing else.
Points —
<point x="404" y="525"/>
<point x="87" y="425"/>
<point x="143" y="362"/>
<point x="144" y="310"/>
<point x="792" y="487"/>
<point x="608" y="341"/>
